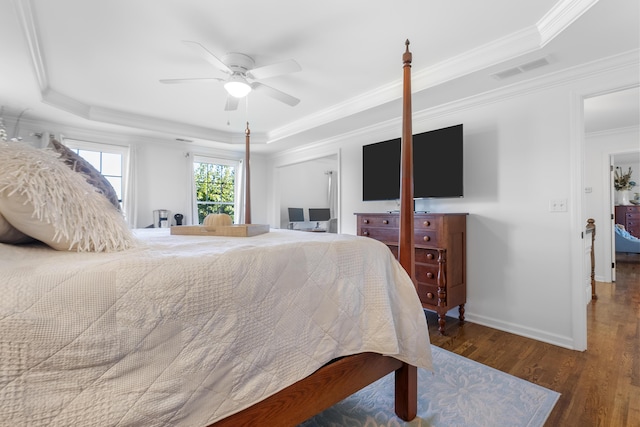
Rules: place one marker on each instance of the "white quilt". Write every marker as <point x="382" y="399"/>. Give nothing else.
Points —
<point x="185" y="330"/>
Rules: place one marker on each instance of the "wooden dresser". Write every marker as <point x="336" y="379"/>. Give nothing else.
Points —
<point x="629" y="216"/>
<point x="440" y="256"/>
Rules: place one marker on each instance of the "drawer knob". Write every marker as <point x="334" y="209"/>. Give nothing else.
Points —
<point x="365" y="233"/>
<point x="386" y="221"/>
<point x="366" y="221"/>
<point x="429" y="256"/>
<point x="426" y="223"/>
<point x="429" y="295"/>
<point x="426" y="238"/>
<point x="430" y="275"/>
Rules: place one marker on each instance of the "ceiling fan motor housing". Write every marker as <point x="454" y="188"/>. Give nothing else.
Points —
<point x="238" y="62"/>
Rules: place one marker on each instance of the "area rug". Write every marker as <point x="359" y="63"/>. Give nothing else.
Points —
<point x="460" y="393"/>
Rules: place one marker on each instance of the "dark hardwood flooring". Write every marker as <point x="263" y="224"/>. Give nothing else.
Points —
<point x="600" y="386"/>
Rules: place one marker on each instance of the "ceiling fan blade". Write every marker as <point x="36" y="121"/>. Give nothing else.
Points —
<point x="195" y="80"/>
<point x="276" y="94"/>
<point x="277" y="69"/>
<point x="204" y="52"/>
<point x="232" y="103"/>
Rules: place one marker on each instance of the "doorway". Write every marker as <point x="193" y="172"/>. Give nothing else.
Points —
<point x="611" y="126"/>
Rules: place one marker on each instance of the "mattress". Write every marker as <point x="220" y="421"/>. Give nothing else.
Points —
<point x="186" y="330"/>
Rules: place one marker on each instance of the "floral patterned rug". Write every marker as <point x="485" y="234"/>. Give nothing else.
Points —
<point x="460" y="392"/>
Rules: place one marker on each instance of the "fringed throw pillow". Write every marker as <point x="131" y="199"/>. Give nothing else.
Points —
<point x="43" y="198"/>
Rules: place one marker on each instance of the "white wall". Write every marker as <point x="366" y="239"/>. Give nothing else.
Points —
<point x="520" y="151"/>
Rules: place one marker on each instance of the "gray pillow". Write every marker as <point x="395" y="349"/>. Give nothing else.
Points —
<point x="84" y="168"/>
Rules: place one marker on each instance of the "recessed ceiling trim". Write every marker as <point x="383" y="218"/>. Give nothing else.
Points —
<point x="516" y="44"/>
<point x="30" y="29"/>
<point x="561" y="15"/>
<point x="65" y="103"/>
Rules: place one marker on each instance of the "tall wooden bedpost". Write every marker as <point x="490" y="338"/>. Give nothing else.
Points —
<point x="406" y="379"/>
<point x="247" y="178"/>
<point x="406" y="253"/>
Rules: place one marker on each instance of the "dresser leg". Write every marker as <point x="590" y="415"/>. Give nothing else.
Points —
<point x="441" y="322"/>
<point x="461" y="312"/>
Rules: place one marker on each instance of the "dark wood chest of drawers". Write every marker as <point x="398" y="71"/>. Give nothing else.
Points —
<point x="629" y="216"/>
<point x="440" y="255"/>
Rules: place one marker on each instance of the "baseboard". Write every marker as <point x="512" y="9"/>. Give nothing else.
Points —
<point x="514" y="328"/>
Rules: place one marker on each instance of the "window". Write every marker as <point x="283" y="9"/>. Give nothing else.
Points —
<point x="109" y="160"/>
<point x="215" y="186"/>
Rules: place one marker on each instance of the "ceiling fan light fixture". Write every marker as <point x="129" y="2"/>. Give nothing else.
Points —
<point x="237" y="87"/>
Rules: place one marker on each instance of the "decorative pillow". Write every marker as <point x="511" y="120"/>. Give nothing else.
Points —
<point x="80" y="165"/>
<point x="10" y="234"/>
<point x="44" y="199"/>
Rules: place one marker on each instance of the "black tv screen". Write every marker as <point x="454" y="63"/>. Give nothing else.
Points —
<point x="437" y="166"/>
<point x="319" y="214"/>
<point x="296" y="215"/>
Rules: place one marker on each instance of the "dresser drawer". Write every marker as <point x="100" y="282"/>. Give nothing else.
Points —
<point x="382" y="234"/>
<point x="426" y="256"/>
<point x="425" y="238"/>
<point x="633" y="227"/>
<point x="629" y="209"/>
<point x="379" y="221"/>
<point x="427" y="273"/>
<point x="426" y="223"/>
<point x="428" y="293"/>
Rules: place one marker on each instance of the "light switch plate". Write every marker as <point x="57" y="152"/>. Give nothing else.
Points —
<point x="558" y="205"/>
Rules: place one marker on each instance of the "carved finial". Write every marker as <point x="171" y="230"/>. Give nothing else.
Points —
<point x="406" y="56"/>
<point x="247" y="131"/>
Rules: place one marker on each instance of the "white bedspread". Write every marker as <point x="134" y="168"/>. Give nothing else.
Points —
<point x="189" y="329"/>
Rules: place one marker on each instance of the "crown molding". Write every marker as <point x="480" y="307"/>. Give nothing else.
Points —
<point x="561" y="15"/>
<point x="27" y="20"/>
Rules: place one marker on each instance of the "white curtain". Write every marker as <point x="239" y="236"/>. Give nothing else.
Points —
<point x="240" y="194"/>
<point x="129" y="203"/>
<point x="332" y="193"/>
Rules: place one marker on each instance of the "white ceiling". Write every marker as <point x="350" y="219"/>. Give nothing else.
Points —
<point x="98" y="64"/>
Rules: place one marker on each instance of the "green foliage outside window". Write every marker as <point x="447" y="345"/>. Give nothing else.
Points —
<point x="215" y="189"/>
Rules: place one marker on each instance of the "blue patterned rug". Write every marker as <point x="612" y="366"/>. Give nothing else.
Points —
<point x="459" y="393"/>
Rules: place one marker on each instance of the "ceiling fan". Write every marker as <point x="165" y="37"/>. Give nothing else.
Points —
<point x="242" y="76"/>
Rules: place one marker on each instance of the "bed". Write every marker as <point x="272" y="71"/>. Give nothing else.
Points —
<point x="157" y="329"/>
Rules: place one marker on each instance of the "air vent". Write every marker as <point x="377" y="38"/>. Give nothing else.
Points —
<point x="184" y="140"/>
<point x="523" y="68"/>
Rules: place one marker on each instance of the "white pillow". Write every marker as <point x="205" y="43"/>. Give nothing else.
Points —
<point x="44" y="199"/>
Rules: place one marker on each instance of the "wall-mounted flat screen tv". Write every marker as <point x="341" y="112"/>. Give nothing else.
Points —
<point x="437" y="166"/>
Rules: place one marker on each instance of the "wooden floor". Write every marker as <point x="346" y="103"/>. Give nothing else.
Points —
<point x="599" y="387"/>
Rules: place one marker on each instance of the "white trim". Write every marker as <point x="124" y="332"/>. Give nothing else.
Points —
<point x="561" y="15"/>
<point x="238" y="200"/>
<point x="577" y="222"/>
<point x="518" y="329"/>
